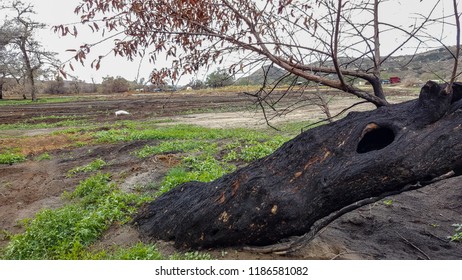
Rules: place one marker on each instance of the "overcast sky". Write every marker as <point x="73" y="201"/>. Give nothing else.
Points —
<point x="55" y="12"/>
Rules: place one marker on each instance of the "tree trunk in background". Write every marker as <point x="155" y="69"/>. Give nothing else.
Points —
<point x="29" y="69"/>
<point x="317" y="173"/>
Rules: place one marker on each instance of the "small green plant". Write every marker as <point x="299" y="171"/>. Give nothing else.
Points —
<point x="458" y="235"/>
<point x="40" y="101"/>
<point x="44" y="156"/>
<point x="79" y="144"/>
<point x="5" y="235"/>
<point x="253" y="150"/>
<point x="191" y="256"/>
<point x="130" y="132"/>
<point x="170" y="146"/>
<point x="388" y="202"/>
<point x="11" y="157"/>
<point x="231" y="156"/>
<point x="43" y="122"/>
<point x="139" y="251"/>
<point x="202" y="168"/>
<point x="97" y="164"/>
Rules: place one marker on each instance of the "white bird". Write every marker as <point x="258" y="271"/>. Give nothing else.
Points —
<point x="121" y="112"/>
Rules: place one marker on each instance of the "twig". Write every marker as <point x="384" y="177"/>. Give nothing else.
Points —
<point x="457" y="54"/>
<point x="333" y="117"/>
<point x="440" y="178"/>
<point x="414" y="246"/>
<point x="437" y="237"/>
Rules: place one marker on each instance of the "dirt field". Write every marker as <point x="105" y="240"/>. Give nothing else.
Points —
<point x="413" y="225"/>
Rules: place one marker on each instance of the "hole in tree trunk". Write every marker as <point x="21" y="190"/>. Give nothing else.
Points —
<point x="375" y="138"/>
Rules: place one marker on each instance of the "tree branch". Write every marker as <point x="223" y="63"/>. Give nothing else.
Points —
<point x="457" y="54"/>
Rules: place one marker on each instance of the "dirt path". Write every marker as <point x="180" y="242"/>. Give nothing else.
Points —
<point x="255" y="118"/>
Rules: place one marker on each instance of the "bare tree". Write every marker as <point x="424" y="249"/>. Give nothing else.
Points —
<point x="33" y="54"/>
<point x="8" y="62"/>
<point x="114" y="85"/>
<point x="323" y="172"/>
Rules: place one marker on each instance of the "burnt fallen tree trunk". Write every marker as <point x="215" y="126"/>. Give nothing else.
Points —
<point x="322" y="170"/>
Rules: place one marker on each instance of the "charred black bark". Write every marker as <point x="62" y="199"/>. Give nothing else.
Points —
<point x="317" y="173"/>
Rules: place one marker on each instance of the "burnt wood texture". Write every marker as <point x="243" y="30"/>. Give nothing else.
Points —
<point x="318" y="172"/>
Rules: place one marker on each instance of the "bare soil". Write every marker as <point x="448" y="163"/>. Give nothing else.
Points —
<point x="412" y="225"/>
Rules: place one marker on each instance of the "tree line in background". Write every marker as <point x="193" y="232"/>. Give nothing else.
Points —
<point x="22" y="58"/>
<point x="27" y="69"/>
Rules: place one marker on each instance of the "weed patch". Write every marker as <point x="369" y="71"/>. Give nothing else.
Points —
<point x="66" y="232"/>
<point x="204" y="146"/>
<point x="175" y="132"/>
<point x="171" y="146"/>
<point x="95" y="165"/>
<point x="11" y="157"/>
<point x="36" y="123"/>
<point x="203" y="168"/>
<point x="44" y="156"/>
<point x="141" y="251"/>
<point x="458" y="235"/>
<point x="252" y="150"/>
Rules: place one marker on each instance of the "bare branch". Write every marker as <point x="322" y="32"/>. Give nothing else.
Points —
<point x="335" y="44"/>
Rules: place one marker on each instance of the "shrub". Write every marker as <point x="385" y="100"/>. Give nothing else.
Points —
<point x="97" y="164"/>
<point x="458" y="235"/>
<point x="10" y="157"/>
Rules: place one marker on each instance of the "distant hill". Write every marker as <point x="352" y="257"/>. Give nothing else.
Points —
<point x="272" y="73"/>
<point x="431" y="65"/>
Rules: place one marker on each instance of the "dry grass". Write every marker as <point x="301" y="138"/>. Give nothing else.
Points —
<point x="42" y="143"/>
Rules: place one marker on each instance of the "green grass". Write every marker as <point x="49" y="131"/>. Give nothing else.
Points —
<point x="48" y="99"/>
<point x="457" y="236"/>
<point x="254" y="150"/>
<point x="207" y="165"/>
<point x="41" y="125"/>
<point x="66" y="232"/>
<point x="294" y="128"/>
<point x="11" y="157"/>
<point x="206" y="154"/>
<point x="141" y="251"/>
<point x="175" y="132"/>
<point x="52" y="117"/>
<point x="42" y="157"/>
<point x="138" y="252"/>
<point x="203" y="168"/>
<point x="95" y="165"/>
<point x="69" y="231"/>
<point x="171" y="146"/>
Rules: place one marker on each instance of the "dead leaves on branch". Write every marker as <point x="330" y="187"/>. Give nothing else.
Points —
<point x="192" y="33"/>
